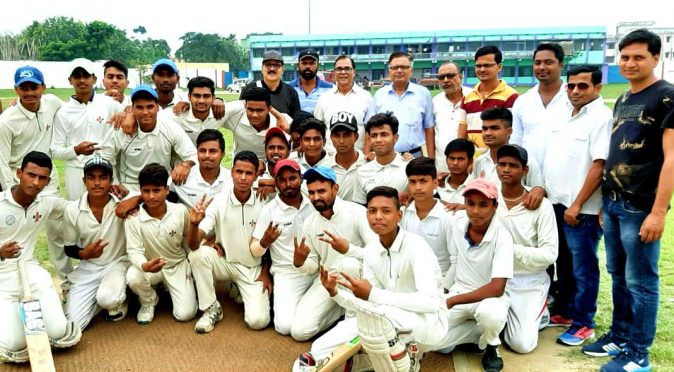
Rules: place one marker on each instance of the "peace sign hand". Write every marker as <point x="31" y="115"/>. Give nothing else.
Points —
<point x="339" y="244"/>
<point x="198" y="211"/>
<point x="360" y="288"/>
<point x="301" y="252"/>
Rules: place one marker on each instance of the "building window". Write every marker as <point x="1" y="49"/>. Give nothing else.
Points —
<point x="363" y="49"/>
<point x="287" y="51"/>
<point x="508" y="71"/>
<point x="380" y="49"/>
<point x="610" y="45"/>
<point x="470" y="72"/>
<point x="377" y="74"/>
<point x="332" y="50"/>
<point x="457" y="47"/>
<point x="348" y="50"/>
<point x="426" y="48"/>
<point x="579" y="45"/>
<point x="525" y="71"/>
<point x="596" y="45"/>
<point x="258" y="52"/>
<point x="474" y="45"/>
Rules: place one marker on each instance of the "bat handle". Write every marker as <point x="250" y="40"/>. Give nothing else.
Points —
<point x="23" y="277"/>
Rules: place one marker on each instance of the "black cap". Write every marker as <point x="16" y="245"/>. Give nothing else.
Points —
<point x="308" y="53"/>
<point x="272" y="55"/>
<point x="345" y="120"/>
<point x="516" y="151"/>
<point x="98" y="162"/>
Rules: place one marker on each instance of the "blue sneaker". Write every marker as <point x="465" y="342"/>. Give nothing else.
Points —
<point x="604" y="346"/>
<point x="575" y="335"/>
<point x="627" y="361"/>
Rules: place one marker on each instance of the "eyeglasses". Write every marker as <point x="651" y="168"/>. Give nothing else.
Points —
<point x="399" y="67"/>
<point x="485" y="65"/>
<point x="449" y="76"/>
<point x="273" y="65"/>
<point x="343" y="69"/>
<point x="580" y="86"/>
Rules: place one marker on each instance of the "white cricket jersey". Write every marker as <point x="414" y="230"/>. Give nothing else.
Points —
<point x="77" y="122"/>
<point x="193" y="126"/>
<point x="178" y="96"/>
<point x="347" y="179"/>
<point x="166" y="141"/>
<point x="290" y="220"/>
<point x="246" y="137"/>
<point x="233" y="224"/>
<point x="435" y="228"/>
<point x="349" y="221"/>
<point x="532" y="120"/>
<point x="485" y="167"/>
<point x="22" y="225"/>
<point x="451" y="195"/>
<point x="579" y="141"/>
<point x="447" y="117"/>
<point x="81" y="228"/>
<point x="195" y="186"/>
<point x="534" y="235"/>
<point x="304" y="165"/>
<point x="23" y="131"/>
<point x="357" y="101"/>
<point x="373" y="174"/>
<point x="148" y="237"/>
<point x="477" y="265"/>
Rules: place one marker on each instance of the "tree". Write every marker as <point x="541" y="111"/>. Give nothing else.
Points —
<point x="198" y="47"/>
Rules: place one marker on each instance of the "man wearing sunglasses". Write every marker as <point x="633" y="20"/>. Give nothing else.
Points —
<point x="283" y="97"/>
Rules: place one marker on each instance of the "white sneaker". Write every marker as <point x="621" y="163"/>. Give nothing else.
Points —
<point x="235" y="294"/>
<point x="545" y="319"/>
<point x="70" y="338"/>
<point x="146" y="312"/>
<point x="118" y="313"/>
<point x="9" y="356"/>
<point x="211" y="316"/>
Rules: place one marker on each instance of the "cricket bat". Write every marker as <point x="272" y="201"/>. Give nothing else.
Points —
<point x="340" y="355"/>
<point x="37" y="340"/>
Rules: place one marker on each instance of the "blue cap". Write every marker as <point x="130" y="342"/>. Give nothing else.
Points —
<point x="144" y="88"/>
<point x="165" y="62"/>
<point x="28" y="73"/>
<point x="322" y="172"/>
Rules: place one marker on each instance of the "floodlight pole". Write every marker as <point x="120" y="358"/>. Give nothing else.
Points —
<point x="309" y="17"/>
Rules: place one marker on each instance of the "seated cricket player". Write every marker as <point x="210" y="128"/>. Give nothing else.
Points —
<point x="483" y="266"/>
<point x="229" y="219"/>
<point x="535" y="244"/>
<point x="23" y="212"/>
<point x="157" y="248"/>
<point x="334" y="237"/>
<point x="95" y="236"/>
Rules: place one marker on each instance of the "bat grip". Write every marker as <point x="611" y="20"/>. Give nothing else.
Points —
<point x="23" y="277"/>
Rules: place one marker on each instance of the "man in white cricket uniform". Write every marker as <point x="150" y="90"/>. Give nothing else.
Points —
<point x="276" y="148"/>
<point x="334" y="237"/>
<point x="155" y="140"/>
<point x="94" y="235"/>
<point x="459" y="158"/>
<point x="81" y="125"/>
<point x="26" y="127"/>
<point x="157" y="248"/>
<point x="165" y="77"/>
<point x="115" y="81"/>
<point x="280" y="221"/>
<point x="23" y="211"/>
<point x="312" y="139"/>
<point x="347" y="159"/>
<point x="535" y="245"/>
<point x="229" y="218"/>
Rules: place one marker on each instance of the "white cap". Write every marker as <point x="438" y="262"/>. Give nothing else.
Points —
<point x="83" y="63"/>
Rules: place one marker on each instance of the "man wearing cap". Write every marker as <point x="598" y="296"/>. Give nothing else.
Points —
<point x="95" y="236"/>
<point x="165" y="76"/>
<point x="346" y="96"/>
<point x="346" y="160"/>
<point x="155" y="140"/>
<point x="279" y="223"/>
<point x="24" y="127"/>
<point x="308" y="85"/>
<point x="276" y="148"/>
<point x="534" y="234"/>
<point x="284" y="98"/>
<point x="80" y="126"/>
<point x="115" y="81"/>
<point x="334" y="237"/>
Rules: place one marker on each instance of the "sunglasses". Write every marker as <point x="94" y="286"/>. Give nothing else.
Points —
<point x="447" y="76"/>
<point x="580" y="86"/>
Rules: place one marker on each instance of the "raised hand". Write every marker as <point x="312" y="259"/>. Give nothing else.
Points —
<point x="270" y="235"/>
<point x="338" y="243"/>
<point x="154" y="265"/>
<point x="93" y="250"/>
<point x="329" y="281"/>
<point x="198" y="211"/>
<point x="301" y="252"/>
<point x="360" y="288"/>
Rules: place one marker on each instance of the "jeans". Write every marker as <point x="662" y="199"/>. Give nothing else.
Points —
<point x="577" y="268"/>
<point x="633" y="266"/>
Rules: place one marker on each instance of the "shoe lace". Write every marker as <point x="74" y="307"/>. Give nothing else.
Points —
<point x="573" y="330"/>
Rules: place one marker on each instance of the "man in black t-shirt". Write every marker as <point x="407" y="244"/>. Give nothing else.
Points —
<point x="637" y="189"/>
<point x="284" y="98"/>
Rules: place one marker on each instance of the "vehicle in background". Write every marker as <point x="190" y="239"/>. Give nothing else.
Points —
<point x="237" y="85"/>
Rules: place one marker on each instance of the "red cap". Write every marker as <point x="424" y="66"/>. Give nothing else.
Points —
<point x="286" y="163"/>
<point x="275" y="131"/>
<point x="482" y="186"/>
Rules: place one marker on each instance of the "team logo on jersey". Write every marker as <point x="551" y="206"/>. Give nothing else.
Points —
<point x="100" y="119"/>
<point x="9" y="220"/>
<point x="36" y="217"/>
<point x="252" y="224"/>
<point x="172" y="233"/>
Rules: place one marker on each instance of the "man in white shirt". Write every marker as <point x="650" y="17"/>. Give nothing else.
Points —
<point x="334" y="237"/>
<point x="95" y="236"/>
<point x="574" y="166"/>
<point x="534" y="234"/>
<point x="280" y="221"/>
<point x="115" y="81"/>
<point x="347" y="159"/>
<point x="312" y="139"/>
<point x="346" y="96"/>
<point x="537" y="110"/>
<point x="81" y="125"/>
<point x="459" y="160"/>
<point x="23" y="211"/>
<point x="276" y="148"/>
<point x="230" y="222"/>
<point x="387" y="168"/>
<point x="157" y="249"/>
<point x="155" y="140"/>
<point x="446" y="109"/>
<point x="165" y="76"/>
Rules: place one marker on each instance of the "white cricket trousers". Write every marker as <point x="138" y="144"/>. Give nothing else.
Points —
<point x="528" y="295"/>
<point x="208" y="267"/>
<point x="489" y="316"/>
<point x="289" y="287"/>
<point x="95" y="287"/>
<point x="12" y="336"/>
<point x="176" y="279"/>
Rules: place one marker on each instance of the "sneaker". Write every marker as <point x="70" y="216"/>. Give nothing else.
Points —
<point x="627" y="361"/>
<point x="118" y="313"/>
<point x="235" y="294"/>
<point x="559" y="321"/>
<point x="9" y="356"/>
<point x="575" y="335"/>
<point x="207" y="321"/>
<point x="70" y="338"/>
<point x="491" y="360"/>
<point x="146" y="312"/>
<point x="604" y="346"/>
<point x="545" y="319"/>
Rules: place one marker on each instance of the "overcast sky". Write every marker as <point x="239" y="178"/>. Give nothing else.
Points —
<point x="172" y="19"/>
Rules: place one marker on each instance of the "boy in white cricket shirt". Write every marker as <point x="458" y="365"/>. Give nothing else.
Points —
<point x="229" y="219"/>
<point x="534" y="234"/>
<point x="459" y="155"/>
<point x="157" y="248"/>
<point x="94" y="235"/>
<point x="23" y="211"/>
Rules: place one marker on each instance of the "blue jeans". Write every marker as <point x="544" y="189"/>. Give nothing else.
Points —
<point x="633" y="266"/>
<point x="578" y="267"/>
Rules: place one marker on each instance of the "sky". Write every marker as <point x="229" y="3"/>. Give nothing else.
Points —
<point x="171" y="19"/>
